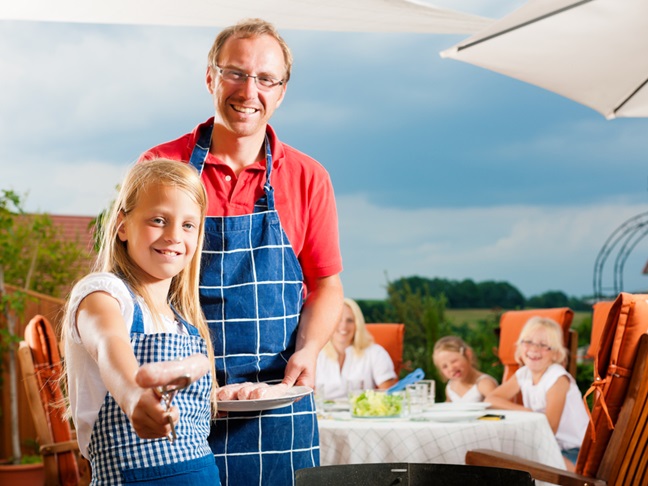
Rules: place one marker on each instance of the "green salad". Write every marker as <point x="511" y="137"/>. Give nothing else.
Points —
<point x="370" y="403"/>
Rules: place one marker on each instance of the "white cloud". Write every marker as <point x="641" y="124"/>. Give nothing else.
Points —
<point x="56" y="187"/>
<point x="534" y="248"/>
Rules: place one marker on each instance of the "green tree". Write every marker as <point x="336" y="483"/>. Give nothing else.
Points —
<point x="33" y="256"/>
<point x="424" y="319"/>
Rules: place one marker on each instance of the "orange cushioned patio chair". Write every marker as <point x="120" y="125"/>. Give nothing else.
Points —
<point x="390" y="336"/>
<point x="41" y="367"/>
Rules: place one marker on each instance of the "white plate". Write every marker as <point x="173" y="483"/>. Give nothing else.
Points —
<point x="459" y="406"/>
<point x="339" y="405"/>
<point x="451" y="416"/>
<point x="291" y="395"/>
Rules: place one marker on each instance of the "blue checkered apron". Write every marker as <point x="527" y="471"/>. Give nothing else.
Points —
<point x="119" y="456"/>
<point x="251" y="293"/>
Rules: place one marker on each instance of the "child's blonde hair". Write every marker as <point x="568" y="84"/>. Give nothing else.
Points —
<point x="456" y="345"/>
<point x="362" y="338"/>
<point x="554" y="338"/>
<point x="113" y="256"/>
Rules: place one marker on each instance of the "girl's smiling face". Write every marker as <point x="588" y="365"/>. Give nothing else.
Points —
<point x="454" y="366"/>
<point x="537" y="354"/>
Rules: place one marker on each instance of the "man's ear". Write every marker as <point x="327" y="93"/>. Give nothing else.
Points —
<point x="121" y="227"/>
<point x="209" y="80"/>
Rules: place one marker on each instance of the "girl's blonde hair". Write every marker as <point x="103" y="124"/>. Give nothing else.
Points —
<point x="554" y="338"/>
<point x="113" y="256"/>
<point x="453" y="344"/>
<point x="362" y="338"/>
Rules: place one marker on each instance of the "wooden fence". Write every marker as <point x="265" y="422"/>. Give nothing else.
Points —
<point x="52" y="309"/>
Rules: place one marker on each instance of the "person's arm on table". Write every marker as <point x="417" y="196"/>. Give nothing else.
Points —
<point x="503" y="395"/>
<point x="320" y="314"/>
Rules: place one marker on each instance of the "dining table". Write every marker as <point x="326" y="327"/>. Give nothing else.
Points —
<point x="436" y="436"/>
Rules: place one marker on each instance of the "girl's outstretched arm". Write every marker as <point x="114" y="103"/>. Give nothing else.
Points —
<point x="501" y="397"/>
<point x="556" y="397"/>
<point x="104" y="335"/>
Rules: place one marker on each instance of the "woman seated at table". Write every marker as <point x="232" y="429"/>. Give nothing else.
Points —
<point x="352" y="357"/>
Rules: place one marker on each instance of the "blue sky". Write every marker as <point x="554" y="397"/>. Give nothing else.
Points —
<point x="441" y="169"/>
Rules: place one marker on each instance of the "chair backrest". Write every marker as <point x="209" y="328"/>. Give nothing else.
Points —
<point x="615" y="367"/>
<point x="624" y="461"/>
<point x="410" y="474"/>
<point x="390" y="336"/>
<point x="511" y="324"/>
<point x="600" y="312"/>
<point x="41" y="369"/>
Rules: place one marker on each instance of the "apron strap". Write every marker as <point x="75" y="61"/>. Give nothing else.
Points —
<point x="199" y="155"/>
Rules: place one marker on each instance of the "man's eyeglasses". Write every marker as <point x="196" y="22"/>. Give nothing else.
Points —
<point x="235" y="76"/>
<point x="540" y="346"/>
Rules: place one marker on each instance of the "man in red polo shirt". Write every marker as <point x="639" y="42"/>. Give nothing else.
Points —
<point x="270" y="285"/>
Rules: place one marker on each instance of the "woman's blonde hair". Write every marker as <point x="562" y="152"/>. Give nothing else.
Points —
<point x="554" y="338"/>
<point x="362" y="338"/>
<point x="113" y="256"/>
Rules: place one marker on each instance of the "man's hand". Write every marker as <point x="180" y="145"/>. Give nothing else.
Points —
<point x="300" y="369"/>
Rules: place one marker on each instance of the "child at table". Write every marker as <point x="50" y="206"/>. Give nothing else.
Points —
<point x="455" y="361"/>
<point x="135" y="325"/>
<point x="546" y="385"/>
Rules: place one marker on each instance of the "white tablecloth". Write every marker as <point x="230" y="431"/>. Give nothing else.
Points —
<point x="344" y="440"/>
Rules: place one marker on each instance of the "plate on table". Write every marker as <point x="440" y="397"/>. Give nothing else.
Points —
<point x="337" y="405"/>
<point x="459" y="407"/>
<point x="447" y="416"/>
<point x="291" y="395"/>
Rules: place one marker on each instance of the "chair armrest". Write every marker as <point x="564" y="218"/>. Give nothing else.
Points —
<point x="58" y="447"/>
<point x="485" y="457"/>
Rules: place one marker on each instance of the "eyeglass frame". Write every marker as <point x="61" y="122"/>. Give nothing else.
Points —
<point x="541" y="346"/>
<point x="246" y="76"/>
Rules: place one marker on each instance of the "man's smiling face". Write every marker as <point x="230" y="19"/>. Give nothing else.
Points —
<point x="245" y="108"/>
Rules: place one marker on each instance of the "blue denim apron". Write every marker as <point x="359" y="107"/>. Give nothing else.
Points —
<point x="119" y="456"/>
<point x="251" y="293"/>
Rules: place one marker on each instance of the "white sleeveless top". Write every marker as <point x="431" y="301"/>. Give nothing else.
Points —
<point x="573" y="421"/>
<point x="472" y="395"/>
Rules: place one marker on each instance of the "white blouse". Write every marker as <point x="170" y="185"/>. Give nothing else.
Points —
<point x="373" y="368"/>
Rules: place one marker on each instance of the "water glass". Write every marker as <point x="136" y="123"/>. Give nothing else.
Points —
<point x="320" y="397"/>
<point x="431" y="392"/>
<point x="417" y="397"/>
<point x="355" y="386"/>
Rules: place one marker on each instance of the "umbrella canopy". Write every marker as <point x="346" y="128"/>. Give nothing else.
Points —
<point x="594" y="52"/>
<point x="335" y="15"/>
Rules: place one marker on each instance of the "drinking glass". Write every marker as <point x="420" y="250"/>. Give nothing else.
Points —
<point x="430" y="394"/>
<point x="416" y="398"/>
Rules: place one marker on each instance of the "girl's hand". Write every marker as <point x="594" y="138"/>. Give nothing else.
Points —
<point x="149" y="417"/>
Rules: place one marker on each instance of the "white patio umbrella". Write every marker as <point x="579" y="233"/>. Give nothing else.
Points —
<point x="333" y="15"/>
<point x="594" y="52"/>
